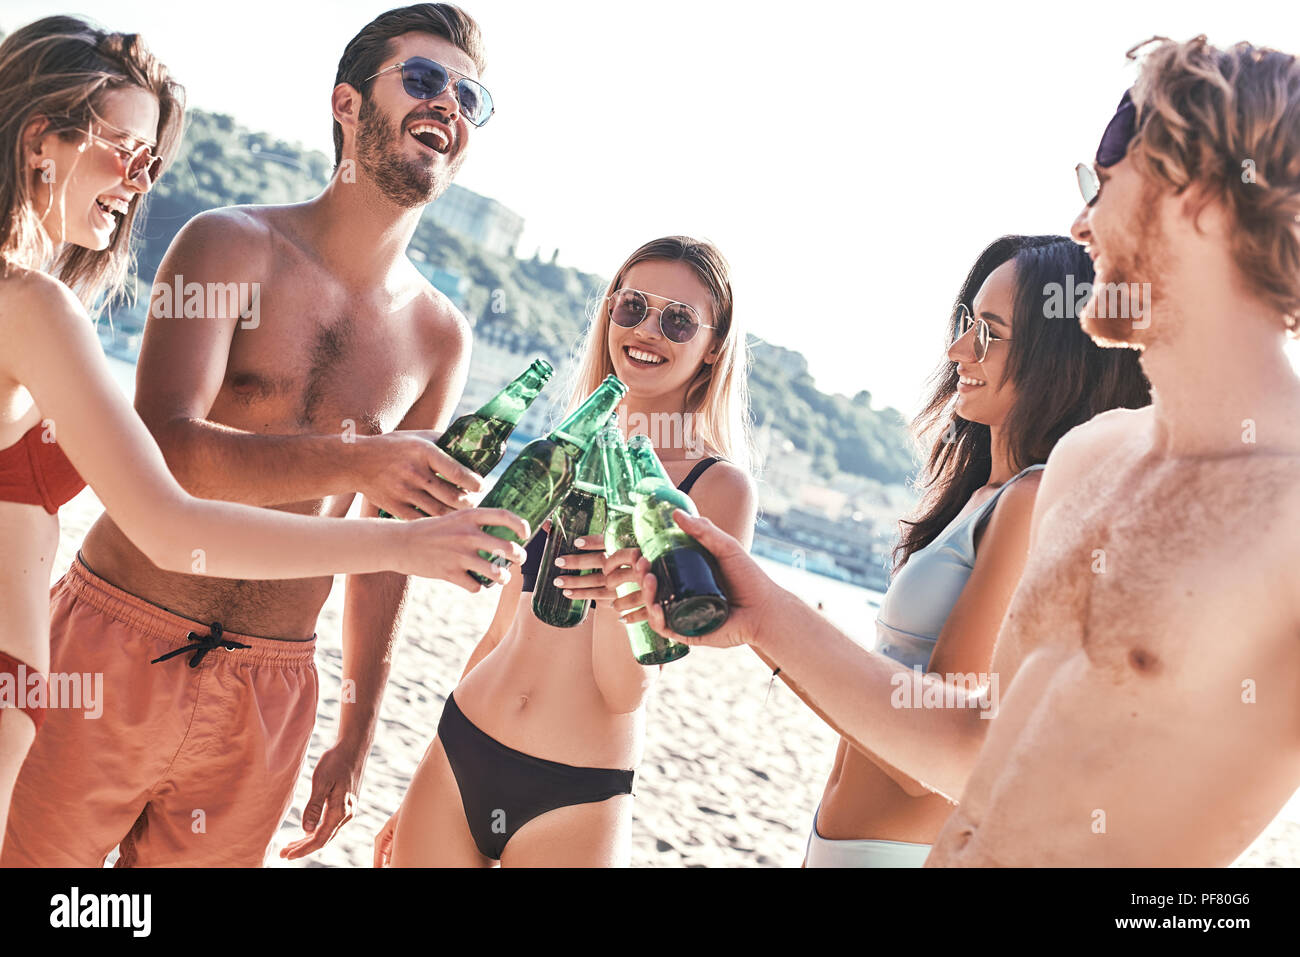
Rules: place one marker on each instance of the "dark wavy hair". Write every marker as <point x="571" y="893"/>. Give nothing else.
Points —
<point x="366" y="51"/>
<point x="1060" y="377"/>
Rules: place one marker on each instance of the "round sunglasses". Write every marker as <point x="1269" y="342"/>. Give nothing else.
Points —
<point x="424" y="79"/>
<point x="678" y="322"/>
<point x="963" y="321"/>
<point x="133" y="161"/>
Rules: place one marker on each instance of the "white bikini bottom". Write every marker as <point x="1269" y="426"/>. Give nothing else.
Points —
<point x="823" y="853"/>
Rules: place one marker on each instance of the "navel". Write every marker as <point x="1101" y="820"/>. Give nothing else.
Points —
<point x="964" y="837"/>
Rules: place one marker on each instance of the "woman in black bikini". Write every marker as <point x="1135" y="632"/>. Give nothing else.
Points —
<point x="534" y="757"/>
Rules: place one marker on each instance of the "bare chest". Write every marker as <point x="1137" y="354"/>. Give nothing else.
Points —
<point x="318" y="361"/>
<point x="1157" y="572"/>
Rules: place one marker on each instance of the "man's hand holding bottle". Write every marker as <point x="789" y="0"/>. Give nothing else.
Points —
<point x="407" y="475"/>
<point x="756" y="602"/>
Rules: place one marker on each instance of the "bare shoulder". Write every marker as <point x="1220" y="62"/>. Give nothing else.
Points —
<point x="446" y="336"/>
<point x="1084" y="449"/>
<point x="1017" y="501"/>
<point x="1087" y="446"/>
<point x="726" y="480"/>
<point x="1101" y="433"/>
<point x="34" y="304"/>
<point x="231" y="236"/>
<point x="728" y="496"/>
<point x="439" y="315"/>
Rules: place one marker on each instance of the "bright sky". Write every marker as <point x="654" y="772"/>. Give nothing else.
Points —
<point x="849" y="159"/>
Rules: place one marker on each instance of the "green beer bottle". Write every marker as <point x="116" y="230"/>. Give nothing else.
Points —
<point x="478" y="440"/>
<point x="581" y="513"/>
<point x="535" y="483"/>
<point x="648" y="647"/>
<point x="687" y="585"/>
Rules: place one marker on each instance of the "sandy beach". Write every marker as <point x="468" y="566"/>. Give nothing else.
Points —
<point x="731" y="773"/>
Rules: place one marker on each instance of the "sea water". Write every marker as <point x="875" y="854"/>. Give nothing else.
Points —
<point x="123" y="374"/>
<point x="851" y="608"/>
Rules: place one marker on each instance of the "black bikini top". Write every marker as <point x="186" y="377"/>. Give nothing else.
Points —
<point x="538" y="545"/>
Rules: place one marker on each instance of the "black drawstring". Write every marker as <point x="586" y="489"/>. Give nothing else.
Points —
<point x="202" y="644"/>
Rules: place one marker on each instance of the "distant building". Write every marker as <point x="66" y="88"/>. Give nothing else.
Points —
<point x="506" y="336"/>
<point x="451" y="284"/>
<point x="823" y="500"/>
<point x="479" y="219"/>
<point x="859" y="549"/>
<point x="785" y="469"/>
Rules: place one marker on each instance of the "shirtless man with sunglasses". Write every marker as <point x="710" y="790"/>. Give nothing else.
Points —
<point x="1150" y="655"/>
<point x="353" y="369"/>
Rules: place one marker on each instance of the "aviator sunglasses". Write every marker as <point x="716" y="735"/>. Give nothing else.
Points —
<point x="1113" y="146"/>
<point x="677" y="321"/>
<point x="963" y="320"/>
<point x="424" y="79"/>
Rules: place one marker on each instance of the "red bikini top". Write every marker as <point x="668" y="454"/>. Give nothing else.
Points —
<point x="36" y="472"/>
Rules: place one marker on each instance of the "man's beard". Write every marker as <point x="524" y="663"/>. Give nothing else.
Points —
<point x="406" y="183"/>
<point x="1122" y="313"/>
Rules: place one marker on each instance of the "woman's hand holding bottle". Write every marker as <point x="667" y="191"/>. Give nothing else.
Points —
<point x="604" y="573"/>
<point x="447" y="547"/>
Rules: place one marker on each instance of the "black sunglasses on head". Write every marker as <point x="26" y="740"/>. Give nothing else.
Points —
<point x="1112" y="148"/>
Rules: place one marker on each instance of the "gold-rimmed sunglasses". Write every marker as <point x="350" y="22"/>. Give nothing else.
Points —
<point x="141" y="159"/>
<point x="678" y="322"/>
<point x="963" y="321"/>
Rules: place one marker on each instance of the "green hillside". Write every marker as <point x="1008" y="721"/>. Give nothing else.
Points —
<point x="541" y="304"/>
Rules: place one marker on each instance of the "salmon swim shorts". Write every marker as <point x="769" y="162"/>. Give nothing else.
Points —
<point x="187" y="762"/>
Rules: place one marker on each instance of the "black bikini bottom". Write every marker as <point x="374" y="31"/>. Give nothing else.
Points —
<point x="503" y="789"/>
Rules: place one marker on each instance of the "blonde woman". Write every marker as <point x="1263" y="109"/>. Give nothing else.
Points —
<point x="88" y="120"/>
<point x="537" y="747"/>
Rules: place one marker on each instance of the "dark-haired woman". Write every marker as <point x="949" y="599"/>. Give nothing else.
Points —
<point x="1014" y="381"/>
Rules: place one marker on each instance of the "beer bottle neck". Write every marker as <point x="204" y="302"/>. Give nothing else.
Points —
<point x="589" y="473"/>
<point x="577" y="433"/>
<point x="513" y="401"/>
<point x="618" y="477"/>
<point x="646" y="466"/>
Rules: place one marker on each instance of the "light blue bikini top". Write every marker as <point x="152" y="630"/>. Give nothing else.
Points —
<point x="922" y="594"/>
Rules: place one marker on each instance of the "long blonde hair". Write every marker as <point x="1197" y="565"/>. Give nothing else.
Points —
<point x="59" y="68"/>
<point x="718" y="396"/>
